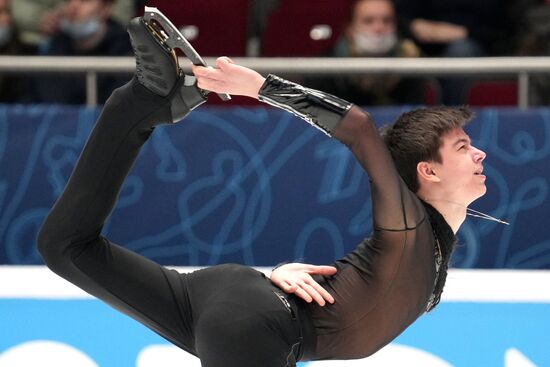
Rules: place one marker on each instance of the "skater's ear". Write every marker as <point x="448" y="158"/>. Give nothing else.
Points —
<point x="425" y="172"/>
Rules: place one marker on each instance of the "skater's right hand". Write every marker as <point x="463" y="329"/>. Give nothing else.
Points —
<point x="297" y="278"/>
<point x="229" y="78"/>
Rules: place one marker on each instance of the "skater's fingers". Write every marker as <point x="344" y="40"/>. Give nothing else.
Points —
<point x="321" y="269"/>
<point x="303" y="295"/>
<point x="319" y="291"/>
<point x="198" y="70"/>
<point x="212" y="85"/>
<point x="222" y="62"/>
<point x="230" y="78"/>
<point x="288" y="287"/>
<point x="211" y="77"/>
<point x="207" y="72"/>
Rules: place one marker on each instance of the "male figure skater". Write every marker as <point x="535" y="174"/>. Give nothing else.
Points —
<point x="232" y="315"/>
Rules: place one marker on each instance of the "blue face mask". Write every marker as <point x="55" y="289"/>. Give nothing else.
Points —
<point x="5" y="35"/>
<point x="80" y="29"/>
<point x="374" y="44"/>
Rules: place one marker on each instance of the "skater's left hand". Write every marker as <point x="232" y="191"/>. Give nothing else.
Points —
<point x="297" y="278"/>
<point x="228" y="77"/>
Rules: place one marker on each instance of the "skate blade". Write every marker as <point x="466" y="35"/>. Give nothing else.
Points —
<point x="160" y="37"/>
<point x="171" y="38"/>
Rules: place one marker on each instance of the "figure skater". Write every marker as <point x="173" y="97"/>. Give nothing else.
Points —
<point x="423" y="175"/>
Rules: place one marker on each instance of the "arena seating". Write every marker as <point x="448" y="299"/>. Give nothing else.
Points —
<point x="288" y="29"/>
<point x="493" y="93"/>
<point x="220" y="26"/>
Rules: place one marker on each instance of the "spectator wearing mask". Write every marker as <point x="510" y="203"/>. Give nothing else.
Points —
<point x="38" y="20"/>
<point x="86" y="29"/>
<point x="372" y="32"/>
<point x="12" y="87"/>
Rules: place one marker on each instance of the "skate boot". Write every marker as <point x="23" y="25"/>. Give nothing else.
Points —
<point x="157" y="69"/>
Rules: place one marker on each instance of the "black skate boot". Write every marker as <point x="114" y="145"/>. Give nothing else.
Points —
<point x="157" y="69"/>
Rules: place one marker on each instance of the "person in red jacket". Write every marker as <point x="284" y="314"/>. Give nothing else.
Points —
<point x="423" y="176"/>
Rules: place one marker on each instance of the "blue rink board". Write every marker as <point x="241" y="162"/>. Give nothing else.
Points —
<point x="462" y="334"/>
<point x="259" y="186"/>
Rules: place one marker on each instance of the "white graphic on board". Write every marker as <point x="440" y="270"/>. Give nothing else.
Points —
<point x="45" y="353"/>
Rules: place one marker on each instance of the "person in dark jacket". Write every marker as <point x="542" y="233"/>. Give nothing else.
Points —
<point x="86" y="29"/>
<point x="12" y="87"/>
<point x="533" y="39"/>
<point x="454" y="28"/>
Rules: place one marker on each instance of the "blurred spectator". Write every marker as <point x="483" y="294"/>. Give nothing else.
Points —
<point x="38" y="20"/>
<point x="455" y="28"/>
<point x="533" y="39"/>
<point x="124" y="10"/>
<point x="12" y="87"/>
<point x="86" y="29"/>
<point x="372" y="32"/>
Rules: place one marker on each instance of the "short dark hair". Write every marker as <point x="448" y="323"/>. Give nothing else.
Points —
<point x="416" y="137"/>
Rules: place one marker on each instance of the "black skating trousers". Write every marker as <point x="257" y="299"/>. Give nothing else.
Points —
<point x="227" y="315"/>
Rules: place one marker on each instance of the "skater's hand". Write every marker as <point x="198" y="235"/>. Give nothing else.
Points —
<point x="229" y="78"/>
<point x="296" y="278"/>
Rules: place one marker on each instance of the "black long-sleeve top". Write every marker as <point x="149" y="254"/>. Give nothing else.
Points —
<point x="385" y="284"/>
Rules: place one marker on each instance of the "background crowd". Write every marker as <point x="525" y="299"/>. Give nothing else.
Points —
<point x="330" y="28"/>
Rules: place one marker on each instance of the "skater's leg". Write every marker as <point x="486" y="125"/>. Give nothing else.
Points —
<point x="70" y="240"/>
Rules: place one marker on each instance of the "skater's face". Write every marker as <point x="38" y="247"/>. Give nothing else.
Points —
<point x="460" y="170"/>
<point x="83" y="10"/>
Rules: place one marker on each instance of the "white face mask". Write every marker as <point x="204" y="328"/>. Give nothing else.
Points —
<point x="80" y="29"/>
<point x="5" y="35"/>
<point x="374" y="44"/>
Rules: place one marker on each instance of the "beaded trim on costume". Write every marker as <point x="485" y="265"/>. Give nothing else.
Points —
<point x="438" y="262"/>
<point x="445" y="241"/>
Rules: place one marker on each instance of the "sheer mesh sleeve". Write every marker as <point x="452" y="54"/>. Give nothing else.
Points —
<point x="394" y="206"/>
